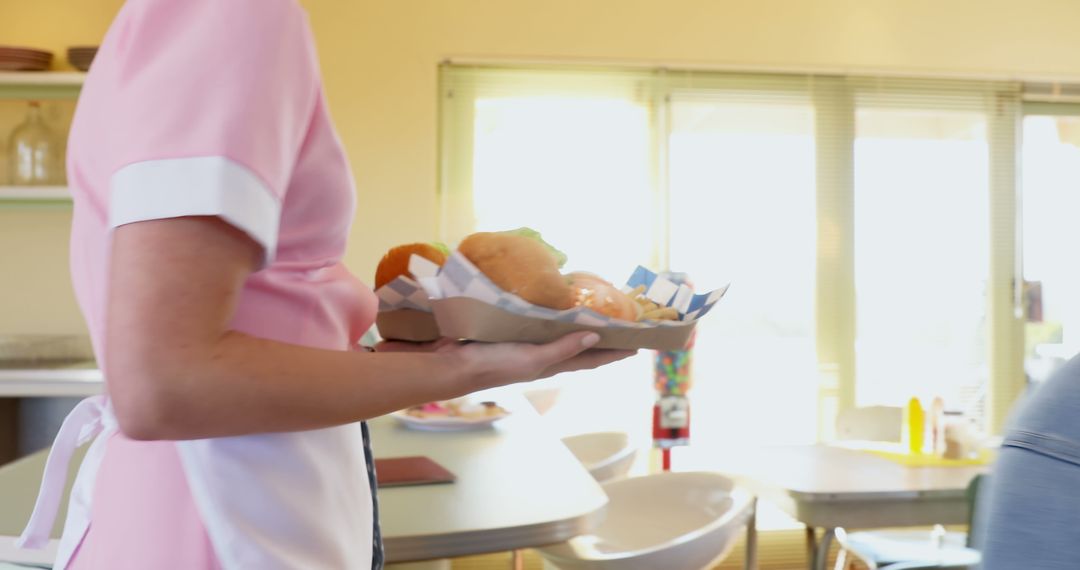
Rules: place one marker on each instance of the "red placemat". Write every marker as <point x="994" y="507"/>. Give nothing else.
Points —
<point x="417" y="470"/>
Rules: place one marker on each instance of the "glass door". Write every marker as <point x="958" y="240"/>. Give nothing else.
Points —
<point x="742" y="176"/>
<point x="922" y="244"/>
<point x="1051" y="199"/>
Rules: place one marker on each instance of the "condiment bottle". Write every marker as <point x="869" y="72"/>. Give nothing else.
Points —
<point x="937" y="426"/>
<point x="916" y="426"/>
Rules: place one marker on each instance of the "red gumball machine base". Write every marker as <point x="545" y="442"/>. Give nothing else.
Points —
<point x="671" y="425"/>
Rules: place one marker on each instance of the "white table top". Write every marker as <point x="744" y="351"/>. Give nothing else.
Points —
<point x="823" y="472"/>
<point x="827" y="486"/>
<point x="518" y="486"/>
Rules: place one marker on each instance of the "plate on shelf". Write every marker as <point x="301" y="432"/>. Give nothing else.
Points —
<point x="435" y="417"/>
<point x="24" y="59"/>
<point x="80" y="57"/>
<point x="17" y="65"/>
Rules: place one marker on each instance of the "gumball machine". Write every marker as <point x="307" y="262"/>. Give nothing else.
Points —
<point x="671" y="379"/>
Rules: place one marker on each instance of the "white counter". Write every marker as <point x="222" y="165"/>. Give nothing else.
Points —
<point x="73" y="381"/>
<point x="48" y="366"/>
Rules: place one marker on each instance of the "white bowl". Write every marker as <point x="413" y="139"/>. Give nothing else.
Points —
<point x="607" y="455"/>
<point x="676" y="521"/>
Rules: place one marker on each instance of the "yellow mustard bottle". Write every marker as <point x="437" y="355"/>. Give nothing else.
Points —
<point x="916" y="426"/>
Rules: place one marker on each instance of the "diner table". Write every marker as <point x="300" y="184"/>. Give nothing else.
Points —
<point x="517" y="486"/>
<point x="830" y="486"/>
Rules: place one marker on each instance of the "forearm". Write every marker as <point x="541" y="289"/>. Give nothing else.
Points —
<point x="176" y="370"/>
<point x="242" y="384"/>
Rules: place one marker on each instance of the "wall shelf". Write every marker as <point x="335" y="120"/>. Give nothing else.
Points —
<point x="40" y="84"/>
<point x="34" y="194"/>
<point x="70" y="78"/>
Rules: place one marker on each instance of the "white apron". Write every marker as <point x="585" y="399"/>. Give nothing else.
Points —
<point x="268" y="501"/>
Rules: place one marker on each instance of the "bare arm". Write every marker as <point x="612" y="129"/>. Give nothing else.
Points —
<point x="176" y="371"/>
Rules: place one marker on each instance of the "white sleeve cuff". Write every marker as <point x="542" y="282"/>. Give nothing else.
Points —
<point x="199" y="186"/>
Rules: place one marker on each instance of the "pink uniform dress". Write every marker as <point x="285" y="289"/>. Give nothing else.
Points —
<point x="196" y="108"/>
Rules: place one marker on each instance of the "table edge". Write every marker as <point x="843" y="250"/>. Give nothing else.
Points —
<point x="483" y="541"/>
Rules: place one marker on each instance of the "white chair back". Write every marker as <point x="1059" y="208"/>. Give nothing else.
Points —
<point x="871" y="423"/>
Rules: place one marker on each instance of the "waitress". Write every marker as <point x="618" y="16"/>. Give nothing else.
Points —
<point x="212" y="207"/>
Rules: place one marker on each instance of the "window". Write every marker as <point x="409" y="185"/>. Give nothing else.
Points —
<point x="1051" y="197"/>
<point x="735" y="217"/>
<point x="921" y="255"/>
<point x="576" y="168"/>
<point x="867" y="225"/>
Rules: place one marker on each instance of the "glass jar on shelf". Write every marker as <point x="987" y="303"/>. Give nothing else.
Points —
<point x="35" y="155"/>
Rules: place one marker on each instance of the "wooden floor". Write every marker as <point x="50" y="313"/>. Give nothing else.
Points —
<point x="785" y="553"/>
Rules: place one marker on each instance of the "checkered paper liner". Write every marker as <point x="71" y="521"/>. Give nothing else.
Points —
<point x="458" y="277"/>
<point x="404" y="292"/>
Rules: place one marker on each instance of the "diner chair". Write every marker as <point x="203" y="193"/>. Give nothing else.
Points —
<point x="911" y="549"/>
<point x="676" y="520"/>
<point x="606" y="455"/>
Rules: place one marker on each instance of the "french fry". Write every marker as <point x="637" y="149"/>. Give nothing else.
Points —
<point x="647" y="310"/>
<point x="661" y="314"/>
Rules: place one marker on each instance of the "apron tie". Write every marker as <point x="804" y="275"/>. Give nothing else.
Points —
<point x="89" y="418"/>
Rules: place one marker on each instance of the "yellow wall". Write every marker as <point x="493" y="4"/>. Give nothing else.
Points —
<point x="35" y="291"/>
<point x="379" y="60"/>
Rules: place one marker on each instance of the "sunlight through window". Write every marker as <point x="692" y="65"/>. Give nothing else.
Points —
<point x="921" y="256"/>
